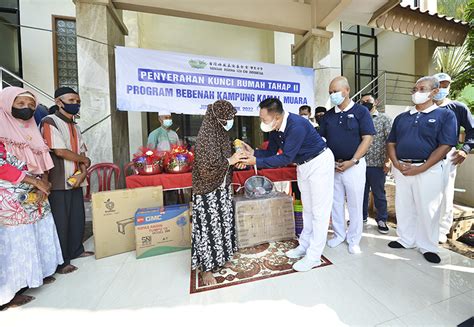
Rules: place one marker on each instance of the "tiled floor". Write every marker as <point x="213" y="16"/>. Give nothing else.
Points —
<point x="381" y="286"/>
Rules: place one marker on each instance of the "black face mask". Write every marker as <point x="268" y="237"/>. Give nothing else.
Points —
<point x="368" y="105"/>
<point x="22" y="113"/>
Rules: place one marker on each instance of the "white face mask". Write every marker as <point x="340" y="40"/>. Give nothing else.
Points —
<point x="305" y="117"/>
<point x="267" y="127"/>
<point x="420" y="98"/>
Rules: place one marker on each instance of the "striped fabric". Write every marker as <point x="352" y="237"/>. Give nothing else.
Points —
<point x="60" y="133"/>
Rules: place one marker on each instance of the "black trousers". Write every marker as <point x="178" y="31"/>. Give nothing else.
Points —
<point x="69" y="215"/>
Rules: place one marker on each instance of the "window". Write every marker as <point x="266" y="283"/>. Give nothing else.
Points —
<point x="65" y="52"/>
<point x="10" y="50"/>
<point x="359" y="56"/>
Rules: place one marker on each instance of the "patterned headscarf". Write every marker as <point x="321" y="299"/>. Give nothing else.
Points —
<point x="22" y="138"/>
<point x="213" y="147"/>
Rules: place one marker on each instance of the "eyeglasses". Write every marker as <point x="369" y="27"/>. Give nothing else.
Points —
<point x="421" y="89"/>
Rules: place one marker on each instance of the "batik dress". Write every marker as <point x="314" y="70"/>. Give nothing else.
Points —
<point x="29" y="244"/>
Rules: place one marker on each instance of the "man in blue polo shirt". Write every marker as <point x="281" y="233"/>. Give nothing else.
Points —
<point x="455" y="157"/>
<point x="418" y="142"/>
<point x="300" y="144"/>
<point x="348" y="129"/>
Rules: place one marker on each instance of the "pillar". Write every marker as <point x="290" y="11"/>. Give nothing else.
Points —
<point x="314" y="50"/>
<point x="99" y="30"/>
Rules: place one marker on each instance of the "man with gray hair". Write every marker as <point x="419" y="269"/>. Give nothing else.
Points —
<point x="417" y="145"/>
<point x="163" y="138"/>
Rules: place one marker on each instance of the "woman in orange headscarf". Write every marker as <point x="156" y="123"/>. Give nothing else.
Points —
<point x="29" y="244"/>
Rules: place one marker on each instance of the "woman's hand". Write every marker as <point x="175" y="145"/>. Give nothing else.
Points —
<point x="237" y="157"/>
<point x="40" y="184"/>
<point x="240" y="165"/>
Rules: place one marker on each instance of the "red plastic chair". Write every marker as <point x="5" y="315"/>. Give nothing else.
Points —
<point x="104" y="172"/>
<point x="129" y="169"/>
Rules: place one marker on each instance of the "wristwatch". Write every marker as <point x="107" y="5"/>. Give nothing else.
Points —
<point x="355" y="161"/>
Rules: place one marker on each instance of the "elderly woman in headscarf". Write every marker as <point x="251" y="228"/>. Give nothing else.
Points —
<point x="213" y="229"/>
<point x="29" y="245"/>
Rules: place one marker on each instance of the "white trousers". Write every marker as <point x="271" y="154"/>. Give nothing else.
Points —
<point x="315" y="181"/>
<point x="449" y="175"/>
<point x="418" y="207"/>
<point x="349" y="186"/>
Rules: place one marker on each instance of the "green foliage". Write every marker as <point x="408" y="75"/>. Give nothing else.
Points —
<point x="453" y="8"/>
<point x="459" y="61"/>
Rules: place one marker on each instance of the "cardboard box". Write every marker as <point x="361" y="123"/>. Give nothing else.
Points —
<point x="162" y="230"/>
<point x="113" y="215"/>
<point x="264" y="220"/>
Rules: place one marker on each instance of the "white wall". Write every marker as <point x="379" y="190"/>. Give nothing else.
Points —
<point x="37" y="46"/>
<point x="205" y="38"/>
<point x="396" y="52"/>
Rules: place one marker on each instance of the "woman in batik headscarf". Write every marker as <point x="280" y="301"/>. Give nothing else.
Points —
<point x="29" y="244"/>
<point x="213" y="230"/>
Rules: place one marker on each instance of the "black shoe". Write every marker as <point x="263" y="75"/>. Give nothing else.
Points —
<point x="432" y="257"/>
<point x="382" y="226"/>
<point x="364" y="220"/>
<point x="395" y="245"/>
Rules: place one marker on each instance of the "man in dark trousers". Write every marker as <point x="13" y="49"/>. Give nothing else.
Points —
<point x="68" y="151"/>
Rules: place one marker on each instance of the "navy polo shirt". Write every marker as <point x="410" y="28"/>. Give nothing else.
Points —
<point x="418" y="134"/>
<point x="343" y="130"/>
<point x="298" y="140"/>
<point x="465" y="119"/>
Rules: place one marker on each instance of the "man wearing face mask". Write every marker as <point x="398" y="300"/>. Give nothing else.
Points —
<point x="300" y="144"/>
<point x="378" y="164"/>
<point x="163" y="138"/>
<point x="68" y="151"/>
<point x="419" y="141"/>
<point x="455" y="157"/>
<point x="305" y="112"/>
<point x="349" y="130"/>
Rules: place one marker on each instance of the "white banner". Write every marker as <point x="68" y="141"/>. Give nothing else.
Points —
<point x="150" y="80"/>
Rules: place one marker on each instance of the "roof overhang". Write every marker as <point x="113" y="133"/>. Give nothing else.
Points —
<point x="412" y="21"/>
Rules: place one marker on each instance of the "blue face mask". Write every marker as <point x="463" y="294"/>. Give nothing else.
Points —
<point x="72" y="108"/>
<point x="337" y="98"/>
<point x="167" y="123"/>
<point x="443" y="93"/>
<point x="229" y="124"/>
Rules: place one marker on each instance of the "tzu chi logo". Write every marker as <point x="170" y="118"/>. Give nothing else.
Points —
<point x="109" y="205"/>
<point x="199" y="64"/>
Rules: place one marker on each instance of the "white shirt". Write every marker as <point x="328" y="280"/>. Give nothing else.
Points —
<point x="284" y="122"/>
<point x="349" y="107"/>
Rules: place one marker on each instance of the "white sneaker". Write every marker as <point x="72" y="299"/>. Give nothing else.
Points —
<point x="306" y="265"/>
<point x="295" y="253"/>
<point x="335" y="241"/>
<point x="354" y="249"/>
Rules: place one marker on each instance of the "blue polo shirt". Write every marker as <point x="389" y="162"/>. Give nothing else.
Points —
<point x="465" y="119"/>
<point x="343" y="130"/>
<point x="418" y="134"/>
<point x="298" y="140"/>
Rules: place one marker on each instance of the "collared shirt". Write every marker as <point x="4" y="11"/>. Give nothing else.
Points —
<point x="377" y="153"/>
<point x="343" y="129"/>
<point x="418" y="133"/>
<point x="61" y="132"/>
<point x="298" y="140"/>
<point x="163" y="139"/>
<point x="465" y="119"/>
